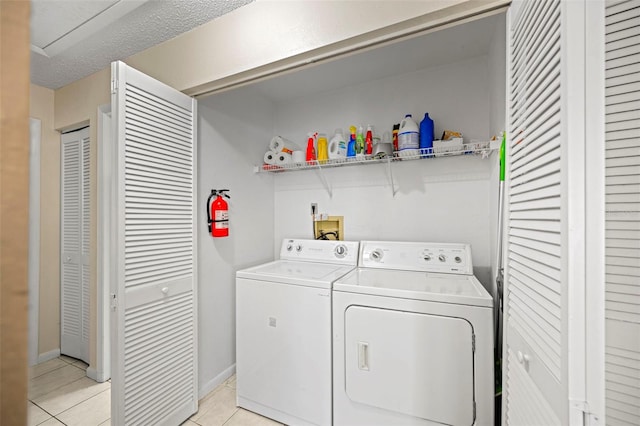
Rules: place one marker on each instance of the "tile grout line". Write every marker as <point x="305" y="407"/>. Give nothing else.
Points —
<point x="230" y="417"/>
<point x="47" y="372"/>
<point x="51" y="415"/>
<point x="82" y="402"/>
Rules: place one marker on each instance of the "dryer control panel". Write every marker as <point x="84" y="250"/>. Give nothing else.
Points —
<point x="343" y="252"/>
<point x="412" y="256"/>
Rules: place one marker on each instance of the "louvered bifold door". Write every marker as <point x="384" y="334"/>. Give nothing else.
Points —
<point x="537" y="286"/>
<point x="622" y="230"/>
<point x="154" y="368"/>
<point x="75" y="223"/>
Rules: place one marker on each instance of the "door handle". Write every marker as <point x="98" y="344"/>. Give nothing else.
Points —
<point x="363" y="356"/>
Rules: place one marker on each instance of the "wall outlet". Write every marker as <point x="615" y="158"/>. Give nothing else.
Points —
<point x="314" y="208"/>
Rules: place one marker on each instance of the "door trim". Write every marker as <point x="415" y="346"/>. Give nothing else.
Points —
<point x="35" y="127"/>
<point x="105" y="240"/>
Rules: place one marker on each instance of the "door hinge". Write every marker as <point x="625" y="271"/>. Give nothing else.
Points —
<point x="114" y="86"/>
<point x="114" y="302"/>
<point x="473" y="343"/>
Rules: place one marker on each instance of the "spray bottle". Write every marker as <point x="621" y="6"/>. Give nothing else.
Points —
<point x="359" y="143"/>
<point x="311" y="151"/>
<point x="369" y="140"/>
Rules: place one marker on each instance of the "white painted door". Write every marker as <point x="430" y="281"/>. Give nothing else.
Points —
<point x="544" y="352"/>
<point x="75" y="223"/>
<point x="154" y="333"/>
<point x="622" y="229"/>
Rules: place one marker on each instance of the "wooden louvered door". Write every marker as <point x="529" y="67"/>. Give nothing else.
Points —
<point x="544" y="347"/>
<point x="75" y="223"/>
<point x="154" y="364"/>
<point x="622" y="229"/>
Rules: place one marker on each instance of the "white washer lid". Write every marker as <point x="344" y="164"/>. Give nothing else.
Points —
<point x="310" y="274"/>
<point x="437" y="287"/>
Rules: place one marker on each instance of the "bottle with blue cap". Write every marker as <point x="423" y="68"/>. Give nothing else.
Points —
<point x="408" y="134"/>
<point x="426" y="134"/>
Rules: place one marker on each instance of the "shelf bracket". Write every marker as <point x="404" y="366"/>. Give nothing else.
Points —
<point x="324" y="180"/>
<point x="390" y="172"/>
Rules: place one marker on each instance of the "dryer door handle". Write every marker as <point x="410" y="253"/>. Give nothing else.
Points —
<point x="363" y="356"/>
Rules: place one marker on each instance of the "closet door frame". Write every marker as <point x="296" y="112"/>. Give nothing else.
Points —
<point x="594" y="281"/>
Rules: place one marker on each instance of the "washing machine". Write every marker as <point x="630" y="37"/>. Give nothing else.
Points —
<point x="283" y="331"/>
<point x="412" y="338"/>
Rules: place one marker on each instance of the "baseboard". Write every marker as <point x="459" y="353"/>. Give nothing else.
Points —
<point x="216" y="381"/>
<point x="48" y="356"/>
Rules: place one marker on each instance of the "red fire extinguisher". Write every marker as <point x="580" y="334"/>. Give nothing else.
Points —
<point x="218" y="216"/>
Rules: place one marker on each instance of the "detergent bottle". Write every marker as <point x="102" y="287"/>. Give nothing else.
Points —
<point x="426" y="134"/>
<point x="337" y="146"/>
<point x="323" y="150"/>
<point x="351" y="148"/>
<point x="408" y="134"/>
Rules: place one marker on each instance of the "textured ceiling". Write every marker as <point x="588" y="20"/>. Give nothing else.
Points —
<point x="147" y="25"/>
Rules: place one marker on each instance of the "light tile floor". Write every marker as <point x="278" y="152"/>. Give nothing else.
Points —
<point x="61" y="394"/>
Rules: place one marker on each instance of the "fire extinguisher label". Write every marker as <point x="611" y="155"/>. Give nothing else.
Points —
<point x="221" y="219"/>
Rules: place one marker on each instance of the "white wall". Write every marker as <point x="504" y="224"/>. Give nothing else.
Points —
<point x="455" y="95"/>
<point x="228" y="127"/>
<point x="440" y="200"/>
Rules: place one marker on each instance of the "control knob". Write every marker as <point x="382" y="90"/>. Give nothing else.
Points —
<point x="458" y="259"/>
<point x="299" y="248"/>
<point x="341" y="251"/>
<point x="442" y="258"/>
<point x="289" y="247"/>
<point x="376" y="255"/>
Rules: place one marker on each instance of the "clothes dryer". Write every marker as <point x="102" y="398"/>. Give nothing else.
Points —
<point x="412" y="338"/>
<point x="283" y="331"/>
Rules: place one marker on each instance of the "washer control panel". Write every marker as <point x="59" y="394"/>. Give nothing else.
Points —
<point x="411" y="256"/>
<point x="320" y="251"/>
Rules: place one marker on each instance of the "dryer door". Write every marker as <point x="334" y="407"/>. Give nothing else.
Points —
<point x="419" y="365"/>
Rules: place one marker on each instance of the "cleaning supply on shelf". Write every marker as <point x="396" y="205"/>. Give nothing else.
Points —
<point x="323" y="150"/>
<point x="298" y="157"/>
<point x="426" y="135"/>
<point x="338" y="145"/>
<point x="280" y="144"/>
<point x="360" y="143"/>
<point x="369" y="141"/>
<point x="396" y="129"/>
<point x="311" y="150"/>
<point x="408" y="134"/>
<point x="270" y="157"/>
<point x="351" y="147"/>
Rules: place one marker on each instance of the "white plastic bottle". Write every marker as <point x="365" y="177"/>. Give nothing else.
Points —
<point x="408" y="134"/>
<point x="338" y="145"/>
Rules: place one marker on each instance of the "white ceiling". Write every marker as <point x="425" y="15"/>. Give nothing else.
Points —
<point x="72" y="39"/>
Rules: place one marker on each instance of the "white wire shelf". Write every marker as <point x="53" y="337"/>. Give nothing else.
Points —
<point x="482" y="149"/>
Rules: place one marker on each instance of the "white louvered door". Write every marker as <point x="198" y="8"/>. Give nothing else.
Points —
<point x="75" y="223"/>
<point x="154" y="364"/>
<point x="544" y="275"/>
<point x="622" y="229"/>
